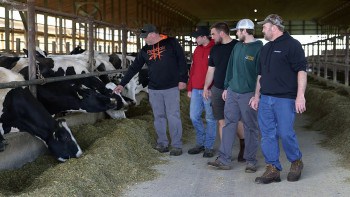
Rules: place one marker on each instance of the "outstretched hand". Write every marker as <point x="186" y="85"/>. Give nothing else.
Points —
<point x="118" y="89"/>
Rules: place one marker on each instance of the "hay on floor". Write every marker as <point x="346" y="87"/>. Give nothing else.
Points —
<point x="117" y="153"/>
<point x="329" y="107"/>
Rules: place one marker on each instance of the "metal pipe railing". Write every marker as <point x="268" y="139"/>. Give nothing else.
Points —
<point x="15" y="84"/>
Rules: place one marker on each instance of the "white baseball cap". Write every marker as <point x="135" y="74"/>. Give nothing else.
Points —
<point x="244" y="24"/>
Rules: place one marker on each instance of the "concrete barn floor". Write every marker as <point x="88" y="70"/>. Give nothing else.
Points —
<point x="189" y="176"/>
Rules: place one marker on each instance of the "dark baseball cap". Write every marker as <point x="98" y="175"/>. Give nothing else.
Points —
<point x="147" y="28"/>
<point x="201" y="31"/>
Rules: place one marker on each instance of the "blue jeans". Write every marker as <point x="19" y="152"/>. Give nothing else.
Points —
<point x="204" y="136"/>
<point x="276" y="118"/>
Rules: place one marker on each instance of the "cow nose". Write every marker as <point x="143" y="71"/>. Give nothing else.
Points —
<point x="79" y="153"/>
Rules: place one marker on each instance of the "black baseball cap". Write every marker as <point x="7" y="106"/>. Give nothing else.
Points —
<point x="147" y="28"/>
<point x="201" y="31"/>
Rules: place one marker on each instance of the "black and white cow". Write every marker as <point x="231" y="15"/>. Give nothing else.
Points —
<point x="77" y="50"/>
<point x="76" y="64"/>
<point x="20" y="110"/>
<point x="86" y="94"/>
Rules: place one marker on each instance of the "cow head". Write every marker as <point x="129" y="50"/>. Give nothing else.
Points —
<point x="115" y="61"/>
<point x="77" y="50"/>
<point x="62" y="144"/>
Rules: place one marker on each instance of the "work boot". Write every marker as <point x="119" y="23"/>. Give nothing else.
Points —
<point x="241" y="151"/>
<point x="162" y="149"/>
<point x="250" y="168"/>
<point x="218" y="164"/>
<point x="295" y="170"/>
<point x="195" y="150"/>
<point x="270" y="175"/>
<point x="208" y="153"/>
<point x="176" y="151"/>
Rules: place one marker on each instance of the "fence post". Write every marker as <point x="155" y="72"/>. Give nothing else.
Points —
<point x="124" y="46"/>
<point x="318" y="59"/>
<point x="31" y="44"/>
<point x="325" y="68"/>
<point x="335" y="60"/>
<point x="53" y="47"/>
<point x="347" y="59"/>
<point x="18" y="45"/>
<point x="67" y="48"/>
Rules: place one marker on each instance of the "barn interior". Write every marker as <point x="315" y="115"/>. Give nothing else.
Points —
<point x="60" y="25"/>
<point x="181" y="15"/>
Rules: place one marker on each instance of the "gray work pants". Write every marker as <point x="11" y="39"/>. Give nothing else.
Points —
<point x="237" y="108"/>
<point x="166" y="108"/>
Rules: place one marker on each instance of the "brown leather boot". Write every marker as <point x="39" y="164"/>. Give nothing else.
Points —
<point x="270" y="175"/>
<point x="295" y="170"/>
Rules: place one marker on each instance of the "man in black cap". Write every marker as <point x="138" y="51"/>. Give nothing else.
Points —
<point x="167" y="75"/>
<point x="205" y="137"/>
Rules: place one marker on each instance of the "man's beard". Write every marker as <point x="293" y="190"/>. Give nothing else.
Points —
<point x="219" y="41"/>
<point x="242" y="38"/>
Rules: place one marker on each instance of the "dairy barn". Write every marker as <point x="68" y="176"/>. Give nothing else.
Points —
<point x="67" y="131"/>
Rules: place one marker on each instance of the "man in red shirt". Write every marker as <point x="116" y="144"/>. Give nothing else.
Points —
<point x="205" y="136"/>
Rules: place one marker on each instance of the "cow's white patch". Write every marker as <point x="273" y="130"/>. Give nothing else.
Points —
<point x="64" y="124"/>
<point x="80" y="66"/>
<point x="20" y="64"/>
<point x="110" y="86"/>
<point x="116" y="114"/>
<point x="40" y="51"/>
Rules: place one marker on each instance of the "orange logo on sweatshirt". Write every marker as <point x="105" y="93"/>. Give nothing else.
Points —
<point x="156" y="52"/>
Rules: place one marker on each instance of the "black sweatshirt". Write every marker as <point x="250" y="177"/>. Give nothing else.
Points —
<point x="280" y="62"/>
<point x="166" y="65"/>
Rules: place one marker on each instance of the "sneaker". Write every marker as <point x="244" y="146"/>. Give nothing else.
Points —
<point x="270" y="175"/>
<point x="208" y="153"/>
<point x="195" y="150"/>
<point x="218" y="164"/>
<point x="176" y="151"/>
<point x="295" y="171"/>
<point x="161" y="148"/>
<point x="251" y="168"/>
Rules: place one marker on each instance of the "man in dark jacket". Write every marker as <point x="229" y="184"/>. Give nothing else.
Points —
<point x="167" y="75"/>
<point x="281" y="82"/>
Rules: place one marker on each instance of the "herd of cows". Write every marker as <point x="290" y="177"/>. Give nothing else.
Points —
<point x="21" y="111"/>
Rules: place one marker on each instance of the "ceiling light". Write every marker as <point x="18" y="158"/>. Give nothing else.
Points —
<point x="255" y="10"/>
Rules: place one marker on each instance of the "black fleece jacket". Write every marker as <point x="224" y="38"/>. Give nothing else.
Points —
<point x="166" y="65"/>
<point x="280" y="62"/>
